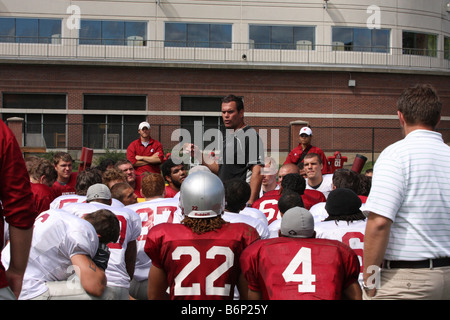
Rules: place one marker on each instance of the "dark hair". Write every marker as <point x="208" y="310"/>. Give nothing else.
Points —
<point x="420" y="104"/>
<point x="64" y="156"/>
<point x="345" y="178"/>
<point x="106" y="224"/>
<point x="288" y="200"/>
<point x="105" y="163"/>
<point x="230" y="98"/>
<point x="294" y="182"/>
<point x="87" y="178"/>
<point x="365" y="184"/>
<point x="200" y="226"/>
<point x="237" y="193"/>
<point x="312" y="155"/>
<point x="166" y="167"/>
<point x="118" y="189"/>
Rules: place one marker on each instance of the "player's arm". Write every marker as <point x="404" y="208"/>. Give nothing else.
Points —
<point x="157" y="284"/>
<point x="242" y="286"/>
<point x="353" y="292"/>
<point x="92" y="277"/>
<point x="130" y="258"/>
<point x="254" y="295"/>
<point x="255" y="183"/>
<point x="20" y="247"/>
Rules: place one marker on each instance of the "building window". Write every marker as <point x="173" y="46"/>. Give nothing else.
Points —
<point x="360" y="39"/>
<point x="28" y="30"/>
<point x="34" y="100"/>
<point x="121" y="33"/>
<point x="42" y="130"/>
<point x="111" y="131"/>
<point x="197" y="35"/>
<point x="421" y="44"/>
<point x="447" y="48"/>
<point x="281" y="37"/>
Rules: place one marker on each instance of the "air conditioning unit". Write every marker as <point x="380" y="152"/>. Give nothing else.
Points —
<point x="111" y="141"/>
<point x="304" y="45"/>
<point x="338" y="46"/>
<point x="56" y="38"/>
<point x="136" y="41"/>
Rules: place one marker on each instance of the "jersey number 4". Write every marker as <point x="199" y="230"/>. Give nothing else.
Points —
<point x="194" y="290"/>
<point x="302" y="258"/>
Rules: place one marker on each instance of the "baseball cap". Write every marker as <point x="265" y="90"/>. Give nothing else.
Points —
<point x="306" y="130"/>
<point x="343" y="202"/>
<point x="297" y="222"/>
<point x="98" y="191"/>
<point x="143" y="125"/>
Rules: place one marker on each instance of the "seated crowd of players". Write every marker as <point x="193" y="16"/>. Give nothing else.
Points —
<point x="105" y="233"/>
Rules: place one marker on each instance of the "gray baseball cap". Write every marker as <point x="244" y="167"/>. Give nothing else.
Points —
<point x="297" y="222"/>
<point x="98" y="191"/>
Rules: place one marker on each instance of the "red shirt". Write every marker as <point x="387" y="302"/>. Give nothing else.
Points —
<point x="170" y="193"/>
<point x="299" y="269"/>
<point x="137" y="148"/>
<point x="295" y="154"/>
<point x="268" y="203"/>
<point x="42" y="195"/>
<point x="17" y="207"/>
<point x="68" y="188"/>
<point x="205" y="266"/>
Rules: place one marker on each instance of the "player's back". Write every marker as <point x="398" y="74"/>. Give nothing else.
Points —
<point x="199" y="266"/>
<point x="152" y="213"/>
<point x="299" y="269"/>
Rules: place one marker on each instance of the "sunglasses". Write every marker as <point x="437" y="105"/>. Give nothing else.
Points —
<point x="304" y="135"/>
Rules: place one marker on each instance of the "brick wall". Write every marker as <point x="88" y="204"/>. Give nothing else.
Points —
<point x="265" y="91"/>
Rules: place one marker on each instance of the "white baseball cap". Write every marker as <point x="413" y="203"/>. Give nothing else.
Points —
<point x="306" y="130"/>
<point x="144" y="124"/>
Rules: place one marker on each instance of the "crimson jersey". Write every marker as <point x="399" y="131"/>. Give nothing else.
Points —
<point x="268" y="203"/>
<point x="199" y="266"/>
<point x="299" y="269"/>
<point x="68" y="188"/>
<point x="42" y="195"/>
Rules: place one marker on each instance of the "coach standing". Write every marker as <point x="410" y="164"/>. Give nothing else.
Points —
<point x="408" y="228"/>
<point x="145" y="153"/>
<point x="17" y="209"/>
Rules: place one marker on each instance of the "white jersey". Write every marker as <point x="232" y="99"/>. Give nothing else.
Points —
<point x="319" y="212"/>
<point x="130" y="228"/>
<point x="274" y="227"/>
<point x="351" y="233"/>
<point x="63" y="200"/>
<point x="262" y="229"/>
<point x="255" y="213"/>
<point x="152" y="212"/>
<point x="325" y="187"/>
<point x="57" y="237"/>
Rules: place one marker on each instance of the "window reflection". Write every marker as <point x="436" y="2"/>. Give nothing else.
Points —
<point x="282" y="37"/>
<point x="197" y="35"/>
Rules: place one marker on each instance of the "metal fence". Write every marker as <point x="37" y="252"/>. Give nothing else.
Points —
<point x="278" y="141"/>
<point x="232" y="53"/>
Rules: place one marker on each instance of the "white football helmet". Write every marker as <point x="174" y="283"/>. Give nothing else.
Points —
<point x="202" y="195"/>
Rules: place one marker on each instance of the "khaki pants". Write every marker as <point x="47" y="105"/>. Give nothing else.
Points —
<point x="413" y="284"/>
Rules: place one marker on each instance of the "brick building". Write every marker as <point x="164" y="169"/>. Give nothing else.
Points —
<point x="338" y="67"/>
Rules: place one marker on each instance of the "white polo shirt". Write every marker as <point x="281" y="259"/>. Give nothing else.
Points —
<point x="411" y="186"/>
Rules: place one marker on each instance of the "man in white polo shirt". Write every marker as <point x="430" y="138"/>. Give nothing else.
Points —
<point x="408" y="227"/>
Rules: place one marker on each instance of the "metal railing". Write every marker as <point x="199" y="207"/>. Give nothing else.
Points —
<point x="369" y="141"/>
<point x="159" y="51"/>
